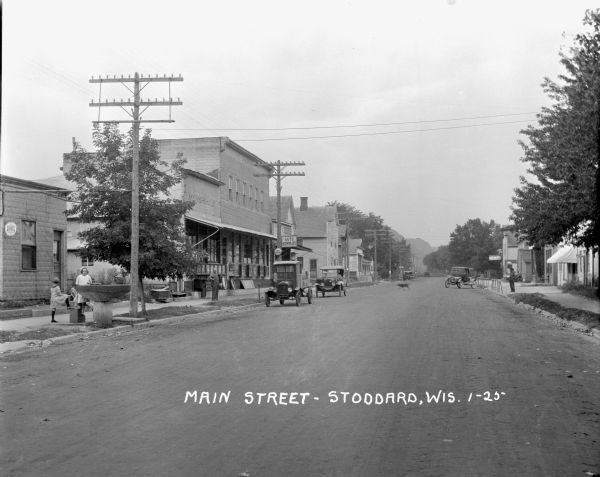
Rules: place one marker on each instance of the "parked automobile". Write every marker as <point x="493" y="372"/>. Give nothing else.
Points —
<point x="331" y="281"/>
<point x="461" y="276"/>
<point x="288" y="283"/>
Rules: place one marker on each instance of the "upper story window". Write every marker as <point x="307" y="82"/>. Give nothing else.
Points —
<point x="256" y="198"/>
<point x="28" y="245"/>
<point x="237" y="191"/>
<point x="244" y="190"/>
<point x="262" y="201"/>
<point x="230" y="188"/>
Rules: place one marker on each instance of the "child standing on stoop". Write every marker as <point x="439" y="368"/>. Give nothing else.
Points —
<point x="57" y="297"/>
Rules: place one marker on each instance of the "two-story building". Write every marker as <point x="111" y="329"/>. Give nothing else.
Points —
<point x="33" y="240"/>
<point x="230" y="221"/>
<point x="291" y="244"/>
<point x="318" y="228"/>
<point x="359" y="269"/>
<point x="519" y="255"/>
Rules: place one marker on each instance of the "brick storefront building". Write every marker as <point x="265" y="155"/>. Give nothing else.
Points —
<point x="33" y="244"/>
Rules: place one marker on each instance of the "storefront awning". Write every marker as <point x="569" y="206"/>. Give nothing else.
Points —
<point x="564" y="255"/>
<point x="220" y="225"/>
<point x="300" y="247"/>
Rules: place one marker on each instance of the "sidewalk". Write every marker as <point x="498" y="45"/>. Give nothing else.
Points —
<point x="41" y="315"/>
<point x="556" y="295"/>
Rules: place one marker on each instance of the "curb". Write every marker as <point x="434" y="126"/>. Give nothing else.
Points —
<point x="561" y="322"/>
<point x="574" y="325"/>
<point x="27" y="345"/>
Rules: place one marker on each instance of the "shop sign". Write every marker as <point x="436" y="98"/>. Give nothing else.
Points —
<point x="10" y="229"/>
<point x="289" y="240"/>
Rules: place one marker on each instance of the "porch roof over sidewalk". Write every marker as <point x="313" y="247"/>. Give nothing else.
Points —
<point x="220" y="225"/>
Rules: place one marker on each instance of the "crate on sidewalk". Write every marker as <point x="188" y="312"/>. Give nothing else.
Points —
<point x="161" y="294"/>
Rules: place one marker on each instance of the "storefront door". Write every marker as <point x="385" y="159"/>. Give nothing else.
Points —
<point x="57" y="256"/>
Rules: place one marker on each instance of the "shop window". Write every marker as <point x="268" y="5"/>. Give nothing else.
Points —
<point x="87" y="262"/>
<point x="28" y="245"/>
<point x="313" y="268"/>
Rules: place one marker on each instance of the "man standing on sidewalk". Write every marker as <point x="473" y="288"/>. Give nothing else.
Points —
<point x="215" y="286"/>
<point x="511" y="279"/>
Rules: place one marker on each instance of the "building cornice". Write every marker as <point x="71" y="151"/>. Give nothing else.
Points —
<point x="25" y="184"/>
<point x="205" y="177"/>
<point x="236" y="147"/>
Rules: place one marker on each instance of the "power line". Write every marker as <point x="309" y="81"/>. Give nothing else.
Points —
<point x="383" y="133"/>
<point x="465" y="118"/>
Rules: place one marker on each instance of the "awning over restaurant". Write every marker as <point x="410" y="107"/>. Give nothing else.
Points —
<point x="220" y="225"/>
<point x="564" y="255"/>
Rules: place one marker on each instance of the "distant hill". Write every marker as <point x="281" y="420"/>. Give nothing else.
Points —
<point x="419" y="249"/>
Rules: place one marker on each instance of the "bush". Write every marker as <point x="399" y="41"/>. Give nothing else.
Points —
<point x="16" y="304"/>
<point x="576" y="288"/>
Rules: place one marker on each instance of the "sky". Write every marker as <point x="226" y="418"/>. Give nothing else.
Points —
<point x="408" y="109"/>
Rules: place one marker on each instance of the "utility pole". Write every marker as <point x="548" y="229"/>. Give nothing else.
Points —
<point x="377" y="233"/>
<point x="389" y="241"/>
<point x="390" y="257"/>
<point x="346" y="219"/>
<point x="136" y="119"/>
<point x="278" y="174"/>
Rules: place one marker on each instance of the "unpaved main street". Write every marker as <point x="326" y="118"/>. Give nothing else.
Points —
<point x="516" y="395"/>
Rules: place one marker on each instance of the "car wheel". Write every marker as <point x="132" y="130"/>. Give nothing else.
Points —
<point x="458" y="284"/>
<point x="298" y="298"/>
<point x="267" y="300"/>
<point x="447" y="283"/>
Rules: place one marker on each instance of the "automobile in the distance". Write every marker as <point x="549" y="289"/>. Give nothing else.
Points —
<point x="331" y="281"/>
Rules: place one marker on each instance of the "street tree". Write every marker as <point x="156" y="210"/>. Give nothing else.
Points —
<point x="471" y="244"/>
<point x="561" y="201"/>
<point x="392" y="248"/>
<point x="103" y="198"/>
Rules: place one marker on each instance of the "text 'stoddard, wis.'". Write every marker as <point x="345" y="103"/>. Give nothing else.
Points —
<point x="294" y="398"/>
